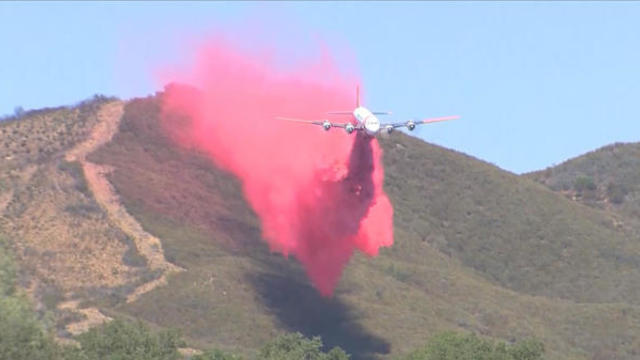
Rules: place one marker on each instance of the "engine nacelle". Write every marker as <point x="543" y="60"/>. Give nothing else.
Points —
<point x="411" y="125"/>
<point x="326" y="125"/>
<point x="388" y="129"/>
<point x="349" y="128"/>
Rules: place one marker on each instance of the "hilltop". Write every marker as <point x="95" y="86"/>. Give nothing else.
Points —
<point x="476" y="248"/>
<point x="607" y="178"/>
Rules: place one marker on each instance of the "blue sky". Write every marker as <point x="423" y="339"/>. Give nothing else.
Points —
<point x="535" y="82"/>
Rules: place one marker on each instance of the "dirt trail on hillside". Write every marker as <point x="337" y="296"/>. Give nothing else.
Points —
<point x="96" y="175"/>
<point x="109" y="117"/>
<point x="148" y="245"/>
<point x="93" y="317"/>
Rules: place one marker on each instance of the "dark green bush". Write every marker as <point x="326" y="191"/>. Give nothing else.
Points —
<point x="295" y="346"/>
<point x="123" y="340"/>
<point x="583" y="183"/>
<point x="454" y="346"/>
<point x="616" y="193"/>
<point x="216" y="355"/>
<point x="21" y="335"/>
<point x="7" y="270"/>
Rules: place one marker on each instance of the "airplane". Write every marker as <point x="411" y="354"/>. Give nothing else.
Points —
<point x="366" y="121"/>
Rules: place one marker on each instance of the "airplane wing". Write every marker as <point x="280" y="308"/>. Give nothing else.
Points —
<point x="351" y="113"/>
<point x="324" y="123"/>
<point x="314" y="122"/>
<point x="412" y="123"/>
<point x="438" y="119"/>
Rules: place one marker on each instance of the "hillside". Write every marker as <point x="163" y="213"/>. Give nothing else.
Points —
<point x="476" y="248"/>
<point x="606" y="178"/>
<point x="69" y="249"/>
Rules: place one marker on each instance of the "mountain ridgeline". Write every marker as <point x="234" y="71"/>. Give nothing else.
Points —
<point x="551" y="255"/>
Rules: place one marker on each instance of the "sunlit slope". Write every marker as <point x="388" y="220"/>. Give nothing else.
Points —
<point x="606" y="178"/>
<point x="67" y="249"/>
<point x="512" y="230"/>
<point x="472" y="241"/>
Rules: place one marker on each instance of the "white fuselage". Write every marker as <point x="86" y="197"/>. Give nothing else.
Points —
<point x="366" y="120"/>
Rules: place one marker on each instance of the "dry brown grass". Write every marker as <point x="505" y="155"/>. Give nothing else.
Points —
<point x="40" y="135"/>
<point x="69" y="231"/>
<point x="146" y="244"/>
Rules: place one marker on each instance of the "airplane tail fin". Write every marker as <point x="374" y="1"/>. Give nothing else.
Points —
<point x="348" y="112"/>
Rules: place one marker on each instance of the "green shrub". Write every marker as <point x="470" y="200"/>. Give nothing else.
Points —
<point x="124" y="340"/>
<point x="216" y="354"/>
<point x="297" y="347"/>
<point x="397" y="273"/>
<point x="74" y="169"/>
<point x="7" y="270"/>
<point x="132" y="256"/>
<point x="616" y="193"/>
<point x="454" y="346"/>
<point x="530" y="349"/>
<point x="21" y="336"/>
<point x="583" y="183"/>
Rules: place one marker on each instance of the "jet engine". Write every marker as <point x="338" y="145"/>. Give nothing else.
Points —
<point x="326" y="125"/>
<point x="349" y="128"/>
<point x="388" y="129"/>
<point x="411" y="125"/>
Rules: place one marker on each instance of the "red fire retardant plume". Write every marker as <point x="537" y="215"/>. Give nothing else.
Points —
<point x="318" y="194"/>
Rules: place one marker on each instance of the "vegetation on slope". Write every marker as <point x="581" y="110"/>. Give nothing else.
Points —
<point x="463" y="228"/>
<point x="471" y="242"/>
<point x="511" y="230"/>
<point x="607" y="178"/>
<point x="453" y="346"/>
<point x="21" y="333"/>
<point x="22" y="336"/>
<point x="69" y="251"/>
<point x="36" y="135"/>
